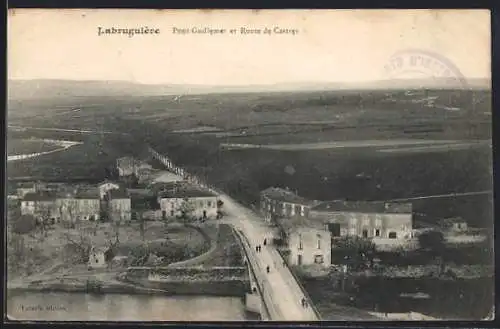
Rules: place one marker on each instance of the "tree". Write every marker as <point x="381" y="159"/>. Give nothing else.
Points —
<point x="433" y="242"/>
<point x="187" y="208"/>
<point x="81" y="244"/>
<point x="354" y="250"/>
<point x="142" y="225"/>
<point x="24" y="224"/>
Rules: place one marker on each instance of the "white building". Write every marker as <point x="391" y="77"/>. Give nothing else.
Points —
<point x="106" y="186"/>
<point x="198" y="203"/>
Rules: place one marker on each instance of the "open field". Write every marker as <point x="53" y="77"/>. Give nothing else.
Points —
<point x="23" y="146"/>
<point x="349" y="118"/>
<point x="55" y="252"/>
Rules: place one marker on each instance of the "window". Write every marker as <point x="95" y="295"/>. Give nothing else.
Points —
<point x="300" y="242"/>
<point x="209" y="203"/>
<point x="377" y="232"/>
<point x="319" y="240"/>
<point x="318" y="259"/>
<point x="365" y="233"/>
<point x="366" y="221"/>
<point x="378" y="222"/>
<point x="392" y="235"/>
<point x="171" y="212"/>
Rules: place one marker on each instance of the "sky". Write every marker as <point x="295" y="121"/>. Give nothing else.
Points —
<point x="329" y="46"/>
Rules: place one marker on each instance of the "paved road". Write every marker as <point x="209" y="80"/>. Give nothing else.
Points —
<point x="284" y="292"/>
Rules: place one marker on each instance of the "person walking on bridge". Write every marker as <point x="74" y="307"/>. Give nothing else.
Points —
<point x="265" y="242"/>
<point x="268" y="269"/>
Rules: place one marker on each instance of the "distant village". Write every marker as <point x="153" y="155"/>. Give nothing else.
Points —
<point x="305" y="229"/>
<point x="169" y="197"/>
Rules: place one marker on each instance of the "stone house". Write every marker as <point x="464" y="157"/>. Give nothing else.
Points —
<point x="308" y="242"/>
<point x="277" y="202"/>
<point x="97" y="258"/>
<point x="41" y="205"/>
<point x="202" y="203"/>
<point x="106" y="186"/>
<point x="25" y="188"/>
<point x="125" y="166"/>
<point x="384" y="223"/>
<point x="119" y="205"/>
<point x="453" y="225"/>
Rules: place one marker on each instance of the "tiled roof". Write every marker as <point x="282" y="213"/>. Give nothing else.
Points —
<point x="119" y="194"/>
<point x="40" y="196"/>
<point x="364" y="207"/>
<point x="26" y="185"/>
<point x="279" y="194"/>
<point x="87" y="193"/>
<point x="186" y="193"/>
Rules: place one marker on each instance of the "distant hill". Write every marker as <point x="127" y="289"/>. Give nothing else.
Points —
<point x="46" y="89"/>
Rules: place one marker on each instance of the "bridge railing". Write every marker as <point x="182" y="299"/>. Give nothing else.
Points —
<point x="269" y="305"/>
<point x="294" y="277"/>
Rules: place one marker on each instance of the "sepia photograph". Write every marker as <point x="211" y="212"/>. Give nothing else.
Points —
<point x="249" y="165"/>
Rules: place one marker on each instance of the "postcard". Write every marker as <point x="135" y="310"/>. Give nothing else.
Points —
<point x="249" y="165"/>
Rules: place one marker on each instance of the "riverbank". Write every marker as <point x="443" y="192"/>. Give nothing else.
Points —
<point x="221" y="288"/>
<point x="176" y="281"/>
<point x="47" y="146"/>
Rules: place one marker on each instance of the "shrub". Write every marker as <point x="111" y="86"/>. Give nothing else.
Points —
<point x="24" y="224"/>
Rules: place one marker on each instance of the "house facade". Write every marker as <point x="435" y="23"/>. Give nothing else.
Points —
<point x="376" y="220"/>
<point x="454" y="225"/>
<point x="277" y="202"/>
<point x="308" y="242"/>
<point x="25" y="188"/>
<point x="119" y="205"/>
<point x="106" y="186"/>
<point x="40" y="205"/>
<point x="199" y="203"/>
<point x="67" y="206"/>
<point x="125" y="166"/>
<point x="97" y="258"/>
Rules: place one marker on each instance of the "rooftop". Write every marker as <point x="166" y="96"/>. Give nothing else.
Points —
<point x="186" y="192"/>
<point x="452" y="220"/>
<point x="119" y="194"/>
<point x="40" y="196"/>
<point x="364" y="207"/>
<point x="87" y="193"/>
<point x="26" y="185"/>
<point x="108" y="181"/>
<point x="285" y="195"/>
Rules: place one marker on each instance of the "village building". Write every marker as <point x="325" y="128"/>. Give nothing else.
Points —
<point x="125" y="166"/>
<point x="97" y="258"/>
<point x="106" y="186"/>
<point x="277" y="202"/>
<point x="307" y="242"/>
<point x="119" y="205"/>
<point x="377" y="220"/>
<point x="142" y="168"/>
<point x="40" y="205"/>
<point x="128" y="166"/>
<point x="199" y="203"/>
<point x="67" y="205"/>
<point x="453" y="225"/>
<point x="25" y="188"/>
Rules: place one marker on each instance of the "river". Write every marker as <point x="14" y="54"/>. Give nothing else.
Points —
<point x="121" y="307"/>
